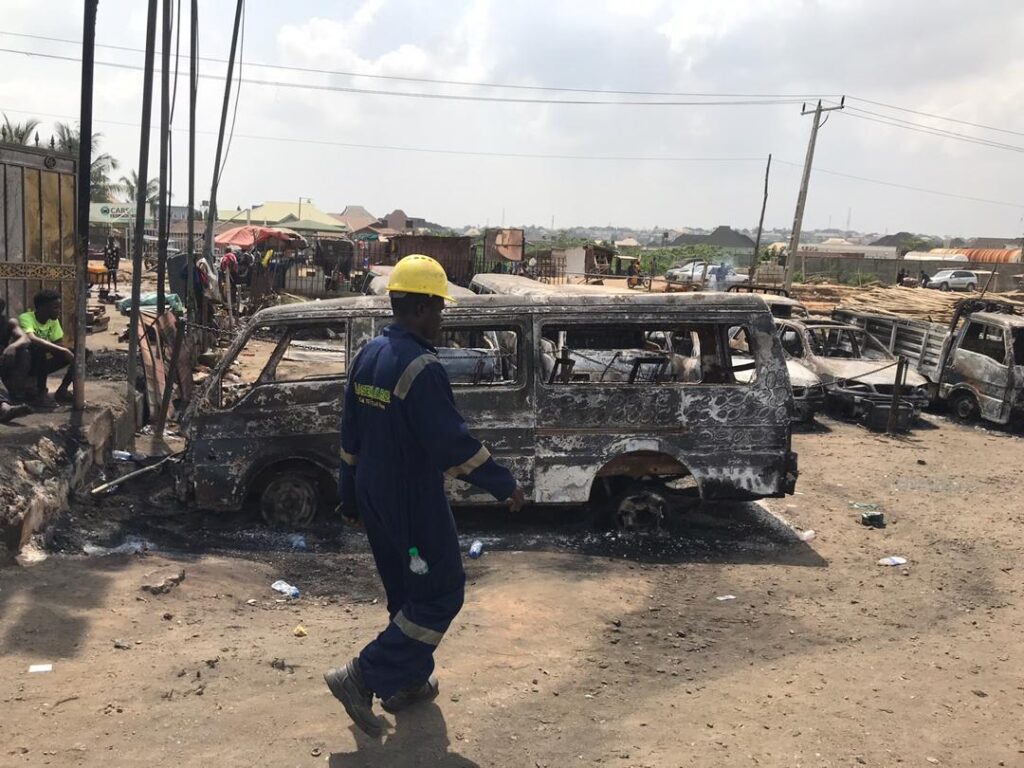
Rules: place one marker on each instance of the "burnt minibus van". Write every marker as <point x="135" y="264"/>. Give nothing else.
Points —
<point x="619" y="401"/>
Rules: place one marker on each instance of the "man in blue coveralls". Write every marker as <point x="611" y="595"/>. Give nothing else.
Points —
<point x="400" y="434"/>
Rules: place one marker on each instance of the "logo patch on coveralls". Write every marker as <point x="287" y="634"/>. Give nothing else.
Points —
<point x="367" y="394"/>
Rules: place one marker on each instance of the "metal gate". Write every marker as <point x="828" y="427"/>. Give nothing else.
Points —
<point x="37" y="229"/>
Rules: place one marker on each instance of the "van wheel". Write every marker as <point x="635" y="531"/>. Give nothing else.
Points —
<point x="291" y="498"/>
<point x="643" y="508"/>
<point x="964" y="406"/>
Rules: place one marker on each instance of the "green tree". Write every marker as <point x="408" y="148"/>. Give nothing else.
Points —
<point x="103" y="189"/>
<point x="129" y="188"/>
<point x="18" y="133"/>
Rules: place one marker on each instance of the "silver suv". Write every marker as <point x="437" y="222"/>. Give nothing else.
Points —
<point x="953" y="280"/>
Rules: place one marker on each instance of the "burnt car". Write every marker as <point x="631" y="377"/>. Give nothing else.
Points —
<point x="622" y="402"/>
<point x="856" y="371"/>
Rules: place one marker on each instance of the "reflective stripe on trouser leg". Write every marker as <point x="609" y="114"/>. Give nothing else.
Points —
<point x="417" y="631"/>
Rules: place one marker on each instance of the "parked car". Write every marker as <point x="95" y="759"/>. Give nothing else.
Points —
<point x="706" y="273"/>
<point x="622" y="401"/>
<point x="953" y="280"/>
<point x="856" y="371"/>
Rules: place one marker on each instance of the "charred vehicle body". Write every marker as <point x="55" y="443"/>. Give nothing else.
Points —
<point x="856" y="371"/>
<point x="975" y="364"/>
<point x="620" y="401"/>
<point x="808" y="394"/>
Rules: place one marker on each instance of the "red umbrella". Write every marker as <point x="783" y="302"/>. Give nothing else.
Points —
<point x="247" y="237"/>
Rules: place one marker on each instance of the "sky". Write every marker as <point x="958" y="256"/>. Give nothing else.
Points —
<point x="667" y="166"/>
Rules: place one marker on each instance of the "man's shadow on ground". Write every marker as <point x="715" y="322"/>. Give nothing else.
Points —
<point x="420" y="738"/>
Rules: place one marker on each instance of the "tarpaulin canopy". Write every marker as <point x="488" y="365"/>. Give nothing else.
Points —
<point x="248" y="236"/>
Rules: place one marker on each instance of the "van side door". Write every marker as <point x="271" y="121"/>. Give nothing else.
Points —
<point x="489" y="363"/>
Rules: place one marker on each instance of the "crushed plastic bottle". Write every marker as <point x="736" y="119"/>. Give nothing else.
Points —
<point x="476" y="549"/>
<point x="298" y="542"/>
<point x="285" y="588"/>
<point x="416" y="563"/>
<point x="807" y="535"/>
<point x="893" y="560"/>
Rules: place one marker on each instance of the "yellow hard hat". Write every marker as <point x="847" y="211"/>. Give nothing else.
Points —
<point x="419" y="274"/>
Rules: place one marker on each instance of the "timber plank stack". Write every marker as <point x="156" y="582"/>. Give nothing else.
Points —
<point x="915" y="303"/>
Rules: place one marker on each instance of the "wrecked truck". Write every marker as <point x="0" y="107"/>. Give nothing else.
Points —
<point x="975" y="364"/>
<point x="622" y="402"/>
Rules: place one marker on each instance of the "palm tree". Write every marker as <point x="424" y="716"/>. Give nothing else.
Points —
<point x="129" y="187"/>
<point x="103" y="164"/>
<point x="18" y="133"/>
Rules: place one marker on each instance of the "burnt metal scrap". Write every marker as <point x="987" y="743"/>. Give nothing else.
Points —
<point x="587" y="397"/>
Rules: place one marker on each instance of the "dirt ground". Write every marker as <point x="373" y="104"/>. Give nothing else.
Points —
<point x="572" y="649"/>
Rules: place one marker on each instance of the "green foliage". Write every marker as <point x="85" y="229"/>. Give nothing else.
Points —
<point x="19" y="133"/>
<point x="102" y="188"/>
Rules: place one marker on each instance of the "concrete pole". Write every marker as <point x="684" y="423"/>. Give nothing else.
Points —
<point x="801" y="200"/>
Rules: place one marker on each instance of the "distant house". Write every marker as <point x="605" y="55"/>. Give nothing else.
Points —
<point x="727" y="240"/>
<point x="629" y="242"/>
<point x="995" y="242"/>
<point x="280" y="213"/>
<point x="355" y="217"/>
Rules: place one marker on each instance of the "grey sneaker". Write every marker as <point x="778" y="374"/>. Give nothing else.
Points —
<point x="348" y="687"/>
<point x="406" y="698"/>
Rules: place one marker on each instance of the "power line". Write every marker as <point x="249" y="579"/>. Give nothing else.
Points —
<point x="908" y="186"/>
<point x="918" y="128"/>
<point x="466" y="83"/>
<point x="541" y="156"/>
<point x="938" y="117"/>
<point x="443" y="96"/>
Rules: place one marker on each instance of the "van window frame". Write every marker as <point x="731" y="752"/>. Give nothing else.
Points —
<point x="496" y="324"/>
<point x="722" y="325"/>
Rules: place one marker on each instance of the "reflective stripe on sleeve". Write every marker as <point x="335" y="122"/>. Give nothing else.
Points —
<point x="416" y="631"/>
<point x="412" y="370"/>
<point x="478" y="459"/>
<point x="349" y="458"/>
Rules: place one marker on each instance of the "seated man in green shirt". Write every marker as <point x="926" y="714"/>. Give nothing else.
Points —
<point x="46" y="355"/>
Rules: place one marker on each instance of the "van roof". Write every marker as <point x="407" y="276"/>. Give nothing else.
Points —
<point x="692" y="302"/>
<point x="1000" y="319"/>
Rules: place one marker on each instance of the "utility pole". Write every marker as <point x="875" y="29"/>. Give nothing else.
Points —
<point x="211" y="215"/>
<point x="760" y="222"/>
<point x="801" y="200"/>
<point x="140" y="204"/>
<point x="165" y="130"/>
<point x="84" y="192"/>
<point x="193" y="87"/>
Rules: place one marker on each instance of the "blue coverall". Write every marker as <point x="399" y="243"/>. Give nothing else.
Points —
<point x="400" y="433"/>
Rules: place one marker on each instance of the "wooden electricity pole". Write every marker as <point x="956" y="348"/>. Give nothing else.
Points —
<point x="760" y="223"/>
<point x="801" y="200"/>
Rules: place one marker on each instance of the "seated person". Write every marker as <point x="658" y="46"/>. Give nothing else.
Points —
<point x="45" y="354"/>
<point x="14" y="358"/>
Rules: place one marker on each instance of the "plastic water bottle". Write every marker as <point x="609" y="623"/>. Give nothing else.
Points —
<point x="285" y="588"/>
<point x="476" y="549"/>
<point x="416" y="563"/>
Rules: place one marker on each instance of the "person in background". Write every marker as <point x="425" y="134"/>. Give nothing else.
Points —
<point x="924" y="279"/>
<point x="900" y="276"/>
<point x="112" y="261"/>
<point x="14" y="359"/>
<point x="229" y="271"/>
<point x="45" y="354"/>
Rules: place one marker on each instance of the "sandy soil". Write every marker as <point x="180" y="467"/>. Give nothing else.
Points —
<point x="567" y="653"/>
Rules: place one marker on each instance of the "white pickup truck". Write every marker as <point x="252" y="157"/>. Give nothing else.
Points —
<point x="975" y="364"/>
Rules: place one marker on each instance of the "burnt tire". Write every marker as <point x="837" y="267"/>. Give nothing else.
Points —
<point x="963" y="406"/>
<point x="291" y="498"/>
<point x="643" y="508"/>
